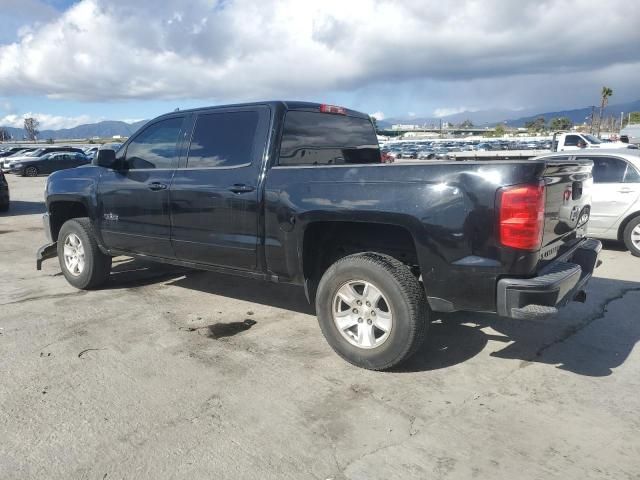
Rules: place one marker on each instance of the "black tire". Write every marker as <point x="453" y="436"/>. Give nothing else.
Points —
<point x="30" y="172"/>
<point x="97" y="265"/>
<point x="403" y="293"/>
<point x="627" y="236"/>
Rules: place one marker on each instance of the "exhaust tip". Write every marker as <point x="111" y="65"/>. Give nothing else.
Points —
<point x="580" y="296"/>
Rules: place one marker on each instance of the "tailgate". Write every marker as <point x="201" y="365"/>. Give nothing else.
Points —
<point x="568" y="185"/>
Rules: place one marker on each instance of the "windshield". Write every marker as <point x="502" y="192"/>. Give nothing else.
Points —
<point x="35" y="153"/>
<point x="592" y="139"/>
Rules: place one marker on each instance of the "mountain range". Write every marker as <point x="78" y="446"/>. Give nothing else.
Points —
<point x="105" y="129"/>
<point x="512" y="118"/>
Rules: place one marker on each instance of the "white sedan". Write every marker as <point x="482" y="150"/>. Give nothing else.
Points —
<point x="615" y="204"/>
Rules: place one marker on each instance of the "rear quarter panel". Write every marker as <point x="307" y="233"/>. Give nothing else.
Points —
<point x="448" y="208"/>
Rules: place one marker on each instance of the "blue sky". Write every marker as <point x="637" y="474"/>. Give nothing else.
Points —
<point x="72" y="62"/>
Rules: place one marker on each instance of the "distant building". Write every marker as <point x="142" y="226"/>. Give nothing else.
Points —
<point x="402" y="126"/>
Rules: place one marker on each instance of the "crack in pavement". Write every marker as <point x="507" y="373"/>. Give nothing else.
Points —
<point x="601" y="310"/>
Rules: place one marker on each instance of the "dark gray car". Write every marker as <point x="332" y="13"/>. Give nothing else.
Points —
<point x="49" y="163"/>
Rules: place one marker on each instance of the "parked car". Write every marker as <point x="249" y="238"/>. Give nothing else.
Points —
<point x="411" y="152"/>
<point x="11" y="151"/>
<point x="49" y="163"/>
<point x="615" y="205"/>
<point x="484" y="147"/>
<point x="37" y="153"/>
<point x="375" y="246"/>
<point x="386" y="157"/>
<point x="91" y="152"/>
<point x="4" y="193"/>
<point x="426" y="154"/>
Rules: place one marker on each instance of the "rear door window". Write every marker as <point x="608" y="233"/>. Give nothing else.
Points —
<point x="224" y="139"/>
<point x="315" y="138"/>
<point x="632" y="175"/>
<point x="607" y="169"/>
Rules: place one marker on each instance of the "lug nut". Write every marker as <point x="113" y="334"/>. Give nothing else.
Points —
<point x="369" y="322"/>
<point x="368" y="304"/>
<point x="358" y="302"/>
<point x="360" y="320"/>
<point x="373" y="313"/>
<point x="355" y="310"/>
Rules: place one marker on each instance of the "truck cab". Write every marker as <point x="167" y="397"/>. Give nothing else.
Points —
<point x="568" y="141"/>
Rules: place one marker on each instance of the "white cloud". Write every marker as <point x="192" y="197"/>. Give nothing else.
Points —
<point x="99" y="50"/>
<point x="443" y="112"/>
<point x="378" y="115"/>
<point x="47" y="122"/>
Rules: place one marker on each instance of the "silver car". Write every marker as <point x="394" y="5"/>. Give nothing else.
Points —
<point x="615" y="203"/>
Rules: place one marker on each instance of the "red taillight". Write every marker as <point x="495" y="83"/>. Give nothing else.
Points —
<point x="521" y="216"/>
<point x="324" y="108"/>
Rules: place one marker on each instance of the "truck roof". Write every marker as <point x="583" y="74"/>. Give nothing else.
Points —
<point x="285" y="104"/>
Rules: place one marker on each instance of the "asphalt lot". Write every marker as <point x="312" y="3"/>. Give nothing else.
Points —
<point x="172" y="373"/>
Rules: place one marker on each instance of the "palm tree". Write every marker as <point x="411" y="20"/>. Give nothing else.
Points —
<point x="606" y="93"/>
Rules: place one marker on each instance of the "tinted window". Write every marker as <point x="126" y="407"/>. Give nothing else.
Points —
<point x="223" y="139"/>
<point x="607" y="169"/>
<point x="632" y="175"/>
<point x="155" y="147"/>
<point x="572" y="140"/>
<point x="311" y="138"/>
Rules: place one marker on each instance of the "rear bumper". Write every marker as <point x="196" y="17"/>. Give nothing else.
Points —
<point x="554" y="286"/>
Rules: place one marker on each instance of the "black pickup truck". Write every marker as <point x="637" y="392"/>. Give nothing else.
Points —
<point x="296" y="192"/>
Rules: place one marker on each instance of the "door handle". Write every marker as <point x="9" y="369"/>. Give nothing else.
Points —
<point x="241" y="188"/>
<point x="155" y="186"/>
<point x="626" y="190"/>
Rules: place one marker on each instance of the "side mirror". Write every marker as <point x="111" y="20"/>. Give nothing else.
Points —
<point x="105" y="158"/>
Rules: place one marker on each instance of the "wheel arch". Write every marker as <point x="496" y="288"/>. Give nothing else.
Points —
<point x="61" y="210"/>
<point x="625" y="222"/>
<point x="324" y="242"/>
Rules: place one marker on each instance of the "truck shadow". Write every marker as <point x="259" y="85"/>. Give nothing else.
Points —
<point x="584" y="343"/>
<point x="287" y="297"/>
<point x="132" y="273"/>
<point x="587" y="345"/>
<point x="19" y="207"/>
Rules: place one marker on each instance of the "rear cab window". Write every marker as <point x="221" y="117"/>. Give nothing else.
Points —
<point x="317" y="138"/>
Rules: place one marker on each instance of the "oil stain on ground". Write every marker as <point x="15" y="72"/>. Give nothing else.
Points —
<point x="220" y="330"/>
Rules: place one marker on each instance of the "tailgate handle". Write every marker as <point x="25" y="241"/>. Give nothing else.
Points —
<point x="576" y="190"/>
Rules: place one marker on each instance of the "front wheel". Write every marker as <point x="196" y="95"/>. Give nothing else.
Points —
<point x="631" y="236"/>
<point x="372" y="310"/>
<point x="31" y="171"/>
<point x="82" y="263"/>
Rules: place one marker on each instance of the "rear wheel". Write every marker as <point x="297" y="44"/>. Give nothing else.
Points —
<point x="82" y="263"/>
<point x="31" y="171"/>
<point x="372" y="310"/>
<point x="631" y="236"/>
